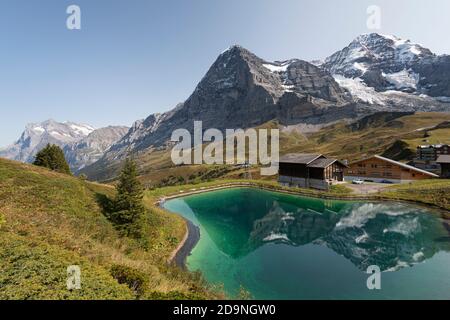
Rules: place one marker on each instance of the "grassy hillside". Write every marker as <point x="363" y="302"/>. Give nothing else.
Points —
<point x="373" y="135"/>
<point x="50" y="221"/>
<point x="392" y="134"/>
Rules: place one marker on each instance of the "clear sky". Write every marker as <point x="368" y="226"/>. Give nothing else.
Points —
<point x="136" y="57"/>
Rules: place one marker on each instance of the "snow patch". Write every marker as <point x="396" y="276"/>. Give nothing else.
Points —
<point x="276" y="236"/>
<point x="418" y="256"/>
<point x="403" y="79"/>
<point x="81" y="129"/>
<point x="39" y="129"/>
<point x="277" y="68"/>
<point x="405" y="227"/>
<point x="360" y="66"/>
<point x="362" y="239"/>
<point x="360" y="214"/>
<point x="359" y="89"/>
<point x="400" y="265"/>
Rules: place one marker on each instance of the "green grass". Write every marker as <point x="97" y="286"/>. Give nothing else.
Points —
<point x="430" y="192"/>
<point x="51" y="221"/>
<point x="433" y="192"/>
<point x="156" y="194"/>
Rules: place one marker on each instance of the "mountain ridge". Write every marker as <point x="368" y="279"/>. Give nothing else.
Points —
<point x="374" y="73"/>
<point x="81" y="143"/>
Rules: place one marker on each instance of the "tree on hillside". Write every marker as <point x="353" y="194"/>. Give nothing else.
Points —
<point x="52" y="157"/>
<point x="129" y="211"/>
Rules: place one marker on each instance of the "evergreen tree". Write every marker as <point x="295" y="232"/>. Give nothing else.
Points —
<point x="129" y="211"/>
<point x="52" y="157"/>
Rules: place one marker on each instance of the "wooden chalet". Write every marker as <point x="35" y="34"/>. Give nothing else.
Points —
<point x="381" y="169"/>
<point x="310" y="171"/>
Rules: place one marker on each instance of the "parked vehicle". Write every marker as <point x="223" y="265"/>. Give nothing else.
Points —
<point x="386" y="181"/>
<point x="358" y="181"/>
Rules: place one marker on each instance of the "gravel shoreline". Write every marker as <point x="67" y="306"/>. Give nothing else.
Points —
<point x="189" y="242"/>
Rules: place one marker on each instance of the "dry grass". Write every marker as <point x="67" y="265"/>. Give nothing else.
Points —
<point x="47" y="209"/>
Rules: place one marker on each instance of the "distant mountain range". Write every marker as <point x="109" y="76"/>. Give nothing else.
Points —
<point x="82" y="144"/>
<point x="240" y="90"/>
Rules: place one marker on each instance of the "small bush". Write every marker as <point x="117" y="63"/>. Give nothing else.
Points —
<point x="134" y="279"/>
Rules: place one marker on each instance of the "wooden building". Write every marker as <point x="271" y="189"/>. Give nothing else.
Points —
<point x="444" y="162"/>
<point x="381" y="169"/>
<point x="310" y="171"/>
<point x="432" y="152"/>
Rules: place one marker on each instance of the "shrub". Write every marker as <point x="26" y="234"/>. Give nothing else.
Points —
<point x="52" y="157"/>
<point x="134" y="279"/>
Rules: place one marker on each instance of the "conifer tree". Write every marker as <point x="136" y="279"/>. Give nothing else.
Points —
<point x="129" y="211"/>
<point x="52" y="157"/>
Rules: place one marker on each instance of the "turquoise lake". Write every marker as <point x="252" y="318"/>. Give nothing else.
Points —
<point x="280" y="246"/>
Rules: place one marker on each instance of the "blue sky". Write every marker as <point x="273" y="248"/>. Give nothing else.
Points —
<point x="136" y="57"/>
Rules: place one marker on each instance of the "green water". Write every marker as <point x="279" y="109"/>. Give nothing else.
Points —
<point x="279" y="246"/>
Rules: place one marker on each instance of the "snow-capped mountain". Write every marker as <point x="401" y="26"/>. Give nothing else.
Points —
<point x="240" y="90"/>
<point x="374" y="63"/>
<point x="82" y="144"/>
<point x="91" y="148"/>
<point x="38" y="135"/>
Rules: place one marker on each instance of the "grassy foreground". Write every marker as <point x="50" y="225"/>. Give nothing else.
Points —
<point x="49" y="221"/>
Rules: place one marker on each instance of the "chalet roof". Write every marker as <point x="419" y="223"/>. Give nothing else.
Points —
<point x="324" y="163"/>
<point x="311" y="160"/>
<point x="443" y="159"/>
<point x="300" y="158"/>
<point x="400" y="164"/>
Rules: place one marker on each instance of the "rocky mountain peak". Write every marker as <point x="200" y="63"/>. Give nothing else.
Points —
<point x="375" y="52"/>
<point x="388" y="63"/>
<point x="81" y="143"/>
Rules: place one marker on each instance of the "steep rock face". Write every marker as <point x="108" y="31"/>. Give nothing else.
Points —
<point x="435" y="76"/>
<point x="37" y="135"/>
<point x="375" y="73"/>
<point x="241" y="90"/>
<point x="91" y="148"/>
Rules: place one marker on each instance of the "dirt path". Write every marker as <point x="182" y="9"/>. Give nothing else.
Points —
<point x="367" y="188"/>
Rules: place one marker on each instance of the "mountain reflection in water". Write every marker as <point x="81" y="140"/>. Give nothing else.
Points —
<point x="390" y="235"/>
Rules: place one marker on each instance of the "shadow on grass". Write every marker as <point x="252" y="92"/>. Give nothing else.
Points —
<point x="105" y="203"/>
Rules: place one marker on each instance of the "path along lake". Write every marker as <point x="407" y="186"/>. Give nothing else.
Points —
<point x="281" y="246"/>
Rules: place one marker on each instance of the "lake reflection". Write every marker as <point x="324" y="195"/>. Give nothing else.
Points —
<point x="244" y="227"/>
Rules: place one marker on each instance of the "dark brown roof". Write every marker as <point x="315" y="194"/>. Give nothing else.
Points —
<point x="322" y="163"/>
<point x="443" y="159"/>
<point x="311" y="160"/>
<point x="300" y="158"/>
